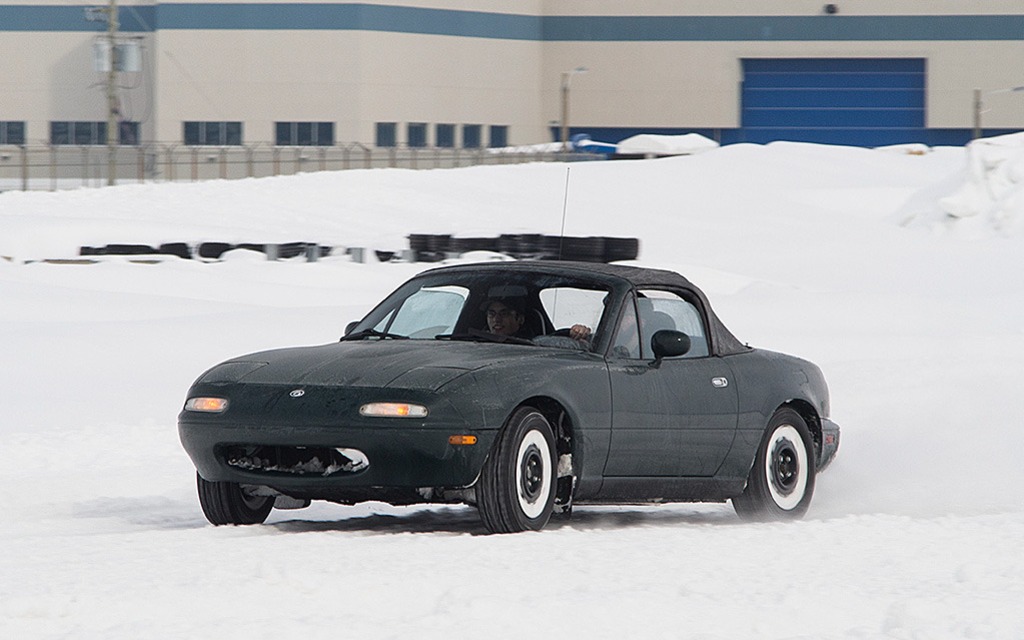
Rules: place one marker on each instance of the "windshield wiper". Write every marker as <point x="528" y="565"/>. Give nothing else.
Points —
<point x="475" y="335"/>
<point x="373" y="333"/>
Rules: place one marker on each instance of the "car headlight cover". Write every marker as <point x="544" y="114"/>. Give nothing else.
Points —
<point x="393" y="410"/>
<point x="207" y="404"/>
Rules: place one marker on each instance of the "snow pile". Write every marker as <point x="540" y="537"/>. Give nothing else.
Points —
<point x="649" y="144"/>
<point x="988" y="195"/>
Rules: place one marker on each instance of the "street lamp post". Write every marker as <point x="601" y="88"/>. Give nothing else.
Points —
<point x="566" y="78"/>
<point x="978" y="93"/>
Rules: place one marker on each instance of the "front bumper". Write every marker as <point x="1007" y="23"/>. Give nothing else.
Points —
<point x="829" y="444"/>
<point x="398" y="457"/>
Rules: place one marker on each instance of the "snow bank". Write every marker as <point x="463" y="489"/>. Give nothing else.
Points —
<point x="985" y="198"/>
<point x="649" y="144"/>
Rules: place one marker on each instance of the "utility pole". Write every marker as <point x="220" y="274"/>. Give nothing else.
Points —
<point x="112" y="128"/>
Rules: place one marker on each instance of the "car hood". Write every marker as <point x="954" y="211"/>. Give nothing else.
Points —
<point x="368" y="363"/>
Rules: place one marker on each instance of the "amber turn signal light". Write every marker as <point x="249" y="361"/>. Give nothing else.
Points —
<point x="207" y="405"/>
<point x="462" y="440"/>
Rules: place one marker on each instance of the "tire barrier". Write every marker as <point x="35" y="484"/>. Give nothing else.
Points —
<point x="211" y="250"/>
<point x="118" y="250"/>
<point x="527" y="246"/>
<point x="424" y="248"/>
<point x="180" y="249"/>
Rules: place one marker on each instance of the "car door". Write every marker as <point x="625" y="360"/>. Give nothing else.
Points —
<point x="670" y="418"/>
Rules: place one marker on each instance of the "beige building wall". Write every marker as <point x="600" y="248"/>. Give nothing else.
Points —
<point x="358" y="78"/>
<point x="352" y="78"/>
<point x="697" y="84"/>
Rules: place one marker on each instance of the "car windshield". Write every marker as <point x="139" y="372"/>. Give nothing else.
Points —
<point x="491" y="305"/>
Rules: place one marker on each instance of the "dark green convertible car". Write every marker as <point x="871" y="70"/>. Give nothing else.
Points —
<point x="522" y="388"/>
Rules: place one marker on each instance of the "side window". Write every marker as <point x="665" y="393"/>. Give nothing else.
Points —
<point x="627" y="338"/>
<point x="667" y="310"/>
<point x="566" y="306"/>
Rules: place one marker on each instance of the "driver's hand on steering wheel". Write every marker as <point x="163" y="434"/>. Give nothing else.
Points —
<point x="579" y="332"/>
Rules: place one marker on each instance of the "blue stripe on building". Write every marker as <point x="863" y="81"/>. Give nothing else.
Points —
<point x="349" y="17"/>
<point x="782" y="28"/>
<point x="479" y="24"/>
<point x="73" y="18"/>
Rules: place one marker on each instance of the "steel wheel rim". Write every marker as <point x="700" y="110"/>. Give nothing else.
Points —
<point x="786" y="467"/>
<point x="533" y="474"/>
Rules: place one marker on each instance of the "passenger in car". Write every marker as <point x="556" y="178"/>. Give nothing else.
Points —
<point x="507" y="317"/>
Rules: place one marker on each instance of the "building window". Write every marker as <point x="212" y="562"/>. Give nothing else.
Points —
<point x="417" y="134"/>
<point x="386" y="134"/>
<point x="445" y="135"/>
<point x="92" y="133"/>
<point x="471" y="136"/>
<point x="304" y="134"/>
<point x="213" y="134"/>
<point x="499" y="136"/>
<point x="12" y="132"/>
<point x="128" y="133"/>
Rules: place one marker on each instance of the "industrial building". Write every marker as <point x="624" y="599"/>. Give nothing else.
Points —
<point x="491" y="73"/>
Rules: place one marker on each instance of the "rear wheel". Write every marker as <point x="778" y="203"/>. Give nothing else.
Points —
<point x="516" y="490"/>
<point x="781" y="481"/>
<point x="230" y="503"/>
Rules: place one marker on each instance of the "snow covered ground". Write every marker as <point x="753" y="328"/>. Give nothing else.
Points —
<point x="839" y="255"/>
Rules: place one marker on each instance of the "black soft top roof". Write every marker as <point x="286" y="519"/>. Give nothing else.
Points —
<point x="723" y="342"/>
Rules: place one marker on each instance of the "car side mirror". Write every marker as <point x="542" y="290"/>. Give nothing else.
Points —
<point x="668" y="344"/>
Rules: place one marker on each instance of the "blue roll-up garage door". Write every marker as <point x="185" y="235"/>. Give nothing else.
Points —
<point x="851" y="101"/>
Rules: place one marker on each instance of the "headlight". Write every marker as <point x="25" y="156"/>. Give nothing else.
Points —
<point x="207" y="405"/>
<point x="393" y="410"/>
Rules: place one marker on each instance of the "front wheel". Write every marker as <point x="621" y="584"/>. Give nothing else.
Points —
<point x="516" y="490"/>
<point x="781" y="481"/>
<point x="229" y="503"/>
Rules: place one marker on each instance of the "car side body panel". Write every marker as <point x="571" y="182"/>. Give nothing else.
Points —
<point x="766" y="381"/>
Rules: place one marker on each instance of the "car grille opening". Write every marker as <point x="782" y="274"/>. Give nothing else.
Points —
<point x="295" y="461"/>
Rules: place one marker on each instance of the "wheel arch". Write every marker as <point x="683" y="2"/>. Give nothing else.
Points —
<point x="564" y="427"/>
<point x="811" y="417"/>
<point x="558" y="416"/>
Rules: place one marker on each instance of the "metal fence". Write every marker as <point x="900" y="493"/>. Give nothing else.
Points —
<point x="52" y="167"/>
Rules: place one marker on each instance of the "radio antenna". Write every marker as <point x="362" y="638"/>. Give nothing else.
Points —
<point x="565" y="204"/>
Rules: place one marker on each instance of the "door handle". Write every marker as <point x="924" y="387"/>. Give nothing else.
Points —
<point x="719" y="382"/>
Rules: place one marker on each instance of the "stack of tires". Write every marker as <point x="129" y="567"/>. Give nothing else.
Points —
<point x="616" y="249"/>
<point x="312" y="250"/>
<point x="429" y="248"/>
<point x="465" y="245"/>
<point x="209" y="250"/>
<point x="589" y="249"/>
<point x="179" y="249"/>
<point x="527" y="246"/>
<point x="522" y="246"/>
